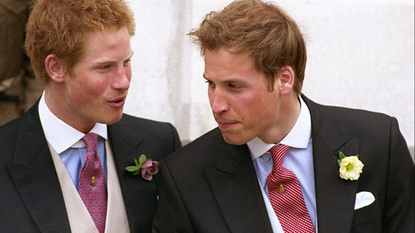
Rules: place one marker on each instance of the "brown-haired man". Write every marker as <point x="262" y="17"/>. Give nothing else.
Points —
<point x="62" y="166"/>
<point x="236" y="179"/>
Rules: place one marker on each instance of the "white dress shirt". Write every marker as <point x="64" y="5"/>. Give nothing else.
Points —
<point x="68" y="142"/>
<point x="299" y="160"/>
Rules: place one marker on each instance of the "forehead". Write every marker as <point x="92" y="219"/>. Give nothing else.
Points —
<point x="221" y="62"/>
<point x="108" y="37"/>
<point x="222" y="66"/>
<point x="112" y="43"/>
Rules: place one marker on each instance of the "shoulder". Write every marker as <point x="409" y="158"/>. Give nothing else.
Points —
<point x="28" y="124"/>
<point x="128" y="120"/>
<point x="136" y="125"/>
<point x="210" y="141"/>
<point x="204" y="151"/>
<point x="358" y="118"/>
<point x="17" y="132"/>
<point x="8" y="135"/>
<point x="9" y="127"/>
<point x="154" y="135"/>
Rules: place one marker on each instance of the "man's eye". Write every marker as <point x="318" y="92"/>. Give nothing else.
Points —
<point x="127" y="62"/>
<point x="234" y="86"/>
<point x="210" y="84"/>
<point x="105" y="67"/>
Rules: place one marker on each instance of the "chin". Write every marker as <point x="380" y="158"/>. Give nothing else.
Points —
<point x="234" y="139"/>
<point x="112" y="120"/>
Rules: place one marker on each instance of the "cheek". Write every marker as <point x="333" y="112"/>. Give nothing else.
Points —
<point x="88" y="90"/>
<point x="250" y="102"/>
<point x="258" y="108"/>
<point x="99" y="88"/>
<point x="247" y="109"/>
<point x="80" y="95"/>
<point x="129" y="73"/>
<point x="210" y="96"/>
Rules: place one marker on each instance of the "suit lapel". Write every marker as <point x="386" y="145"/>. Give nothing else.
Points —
<point x="335" y="197"/>
<point x="35" y="177"/>
<point x="125" y="148"/>
<point x="237" y="191"/>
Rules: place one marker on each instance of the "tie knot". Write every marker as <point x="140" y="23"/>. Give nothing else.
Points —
<point x="278" y="153"/>
<point x="91" y="141"/>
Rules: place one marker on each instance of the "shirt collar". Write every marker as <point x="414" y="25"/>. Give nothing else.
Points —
<point x="298" y="137"/>
<point x="60" y="135"/>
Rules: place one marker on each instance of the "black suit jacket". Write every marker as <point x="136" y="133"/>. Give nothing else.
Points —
<point x="30" y="197"/>
<point x="211" y="186"/>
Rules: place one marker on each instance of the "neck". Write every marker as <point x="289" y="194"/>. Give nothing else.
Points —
<point x="57" y="104"/>
<point x="289" y="112"/>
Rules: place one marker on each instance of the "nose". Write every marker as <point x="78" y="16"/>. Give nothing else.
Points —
<point x="218" y="101"/>
<point x="123" y="78"/>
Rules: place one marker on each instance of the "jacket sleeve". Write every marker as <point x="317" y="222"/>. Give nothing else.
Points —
<point x="398" y="213"/>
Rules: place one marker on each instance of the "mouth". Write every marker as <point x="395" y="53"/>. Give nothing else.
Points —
<point x="226" y="124"/>
<point x="118" y="102"/>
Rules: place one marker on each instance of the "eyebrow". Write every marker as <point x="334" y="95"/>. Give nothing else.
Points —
<point x="109" y="60"/>
<point x="131" y="55"/>
<point x="229" y="80"/>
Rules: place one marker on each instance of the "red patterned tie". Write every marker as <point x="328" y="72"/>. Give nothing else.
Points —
<point x="285" y="195"/>
<point x="92" y="183"/>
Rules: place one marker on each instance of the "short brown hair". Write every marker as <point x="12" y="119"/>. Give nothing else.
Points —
<point x="263" y="30"/>
<point x="60" y="27"/>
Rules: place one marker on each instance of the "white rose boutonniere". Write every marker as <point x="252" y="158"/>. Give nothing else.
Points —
<point x="350" y="167"/>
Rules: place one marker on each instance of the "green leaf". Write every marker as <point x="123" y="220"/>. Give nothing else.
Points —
<point x="339" y="161"/>
<point x="136" y="172"/>
<point x="136" y="163"/>
<point x="142" y="159"/>
<point x="341" y="155"/>
<point x="132" y="168"/>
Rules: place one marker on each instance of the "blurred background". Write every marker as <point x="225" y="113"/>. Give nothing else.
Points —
<point x="360" y="55"/>
<point x="19" y="89"/>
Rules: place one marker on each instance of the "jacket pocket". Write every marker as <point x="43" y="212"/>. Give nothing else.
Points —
<point x="367" y="219"/>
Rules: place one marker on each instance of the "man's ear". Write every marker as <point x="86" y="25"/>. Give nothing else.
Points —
<point x="55" y="68"/>
<point x="284" y="80"/>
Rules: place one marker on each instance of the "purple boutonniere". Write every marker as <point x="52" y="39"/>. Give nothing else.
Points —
<point x="146" y="167"/>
